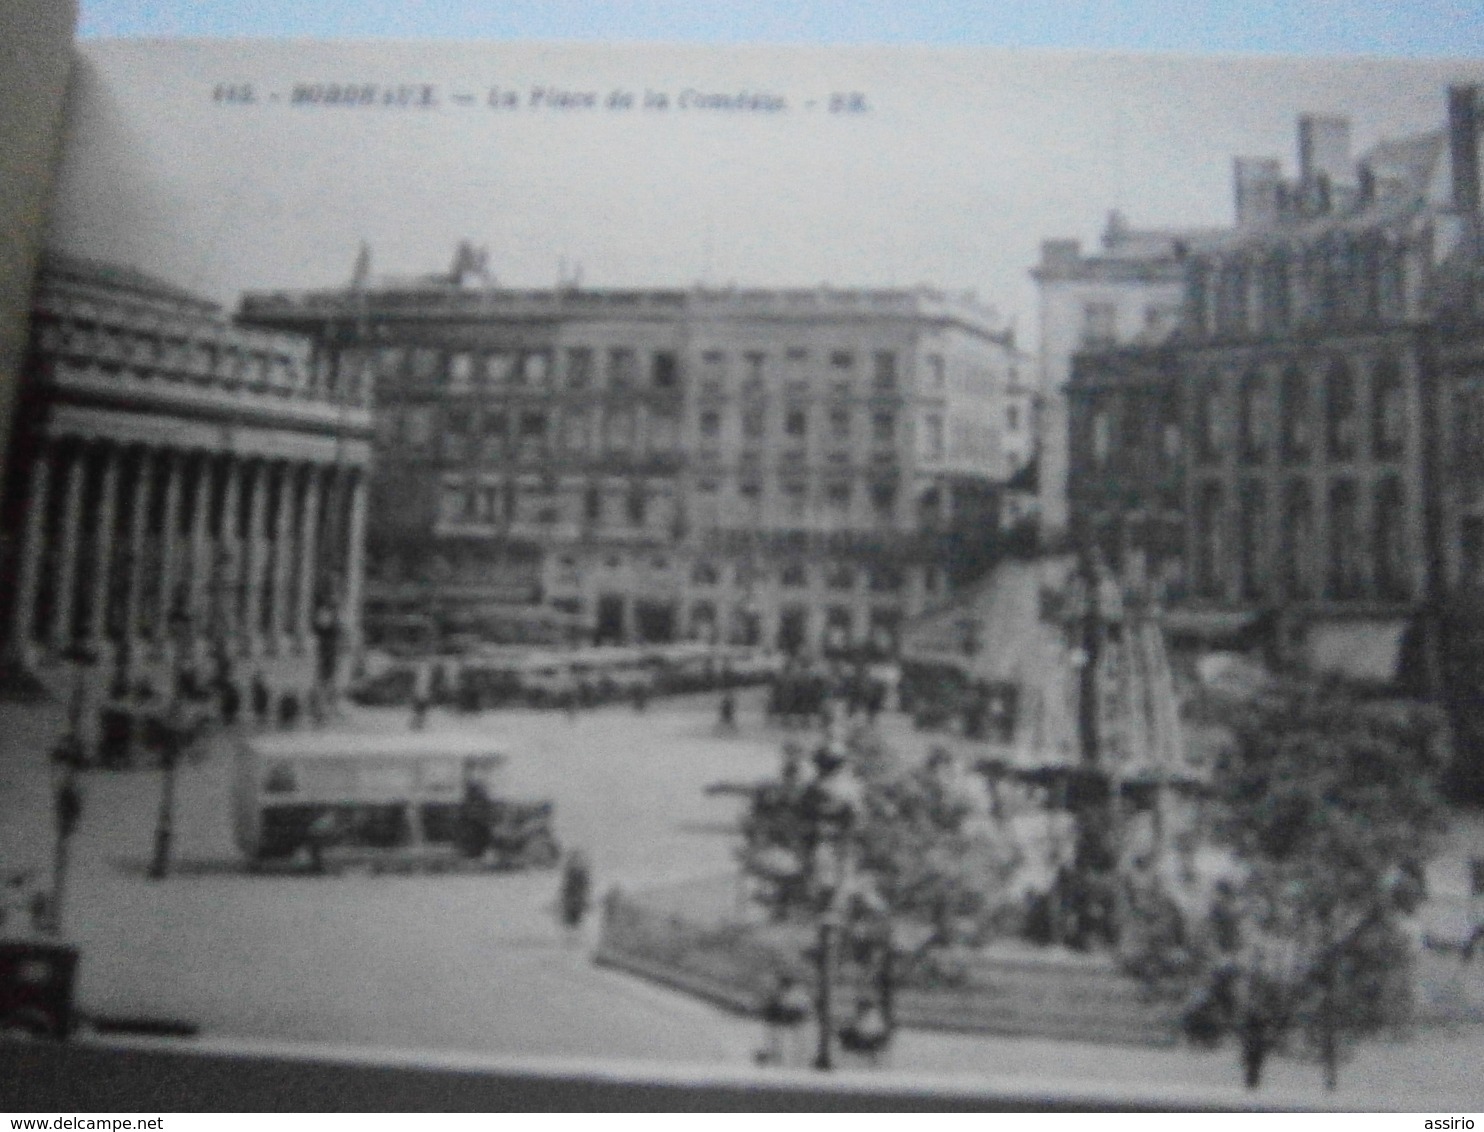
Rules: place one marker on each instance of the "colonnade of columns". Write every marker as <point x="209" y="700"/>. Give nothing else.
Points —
<point x="134" y="549"/>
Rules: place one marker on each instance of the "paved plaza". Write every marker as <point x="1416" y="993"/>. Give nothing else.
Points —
<point x="477" y="963"/>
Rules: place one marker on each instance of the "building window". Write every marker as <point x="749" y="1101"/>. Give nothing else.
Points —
<point x="1346" y="579"/>
<point x="937" y="372"/>
<point x="839" y="576"/>
<point x="793" y="576"/>
<point x="839" y="424"/>
<point x="753" y="422"/>
<point x="884" y="428"/>
<point x="750" y="495"/>
<point x="620" y="431"/>
<point x="884" y="368"/>
<point x="1197" y="296"/>
<point x="1391" y="299"/>
<point x="842" y="359"/>
<point x="1253" y="550"/>
<point x="1389" y="409"/>
<point x="710" y="424"/>
<point x="1099" y="325"/>
<point x="1297" y="533"/>
<point x="837" y="500"/>
<point x="932" y="438"/>
<point x="623" y="369"/>
<point x="756" y="367"/>
<point x="636" y="506"/>
<point x="1211" y="420"/>
<point x="665" y="371"/>
<point x="460" y="371"/>
<point x="1210" y="542"/>
<point x="705" y="574"/>
<point x="533" y="426"/>
<point x="884" y="502"/>
<point x="579" y="367"/>
<point x="885" y="579"/>
<point x="425" y="364"/>
<point x="577" y="430"/>
<point x="796" y="423"/>
<point x="1231" y="299"/>
<point x="1102" y="436"/>
<point x="499" y="368"/>
<point x="1255" y="418"/>
<point x="1390" y="520"/>
<point x="1341" y="414"/>
<point x="1294" y="412"/>
<point x="795" y="501"/>
<point x="1275" y="292"/>
<point x="419" y="426"/>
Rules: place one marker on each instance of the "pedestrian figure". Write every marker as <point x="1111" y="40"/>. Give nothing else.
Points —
<point x="868" y="1032"/>
<point x="576" y="891"/>
<point x="641" y="697"/>
<point x="261" y="699"/>
<point x="422" y="695"/>
<point x="728" y="711"/>
<point x="784" y="1012"/>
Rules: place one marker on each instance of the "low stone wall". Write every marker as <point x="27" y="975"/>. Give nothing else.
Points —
<point x="734" y="965"/>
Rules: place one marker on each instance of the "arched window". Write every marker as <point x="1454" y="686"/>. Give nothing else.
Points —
<point x="1298" y="540"/>
<point x="1393" y="579"/>
<point x="1388" y="410"/>
<point x="1252" y="549"/>
<point x="1256" y="418"/>
<point x="1294" y="413"/>
<point x="1346" y="568"/>
<point x="1210" y="548"/>
<point x="1341" y="412"/>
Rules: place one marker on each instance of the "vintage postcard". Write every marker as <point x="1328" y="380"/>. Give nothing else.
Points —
<point x="919" y="565"/>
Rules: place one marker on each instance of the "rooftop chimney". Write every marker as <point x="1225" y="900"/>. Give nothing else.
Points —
<point x="1464" y="121"/>
<point x="1324" y="149"/>
<point x="1257" y="182"/>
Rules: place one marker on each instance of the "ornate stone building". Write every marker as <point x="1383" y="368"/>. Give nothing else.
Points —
<point x="803" y="469"/>
<point x="1128" y="291"/>
<point x="1302" y="443"/>
<point x="183" y="490"/>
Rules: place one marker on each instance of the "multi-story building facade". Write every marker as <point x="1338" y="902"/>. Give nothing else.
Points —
<point x="182" y="489"/>
<point x="779" y="467"/>
<point x="1130" y="291"/>
<point x="1289" y="448"/>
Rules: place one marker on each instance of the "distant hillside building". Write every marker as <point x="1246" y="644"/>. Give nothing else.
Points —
<point x="796" y="468"/>
<point x="180" y="483"/>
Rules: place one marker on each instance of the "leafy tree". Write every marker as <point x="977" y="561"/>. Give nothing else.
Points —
<point x="1329" y="807"/>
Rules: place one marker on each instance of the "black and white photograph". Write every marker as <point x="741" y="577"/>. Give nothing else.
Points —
<point x="943" y="570"/>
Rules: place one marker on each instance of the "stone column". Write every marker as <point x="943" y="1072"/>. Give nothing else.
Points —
<point x="199" y="556"/>
<point x="103" y="559"/>
<point x="260" y="480"/>
<point x="138" y="529"/>
<point x="23" y="621"/>
<point x="308" y="556"/>
<point x="166" y="607"/>
<point x="65" y="603"/>
<point x="227" y="568"/>
<point x="355" y="567"/>
<point x="281" y="615"/>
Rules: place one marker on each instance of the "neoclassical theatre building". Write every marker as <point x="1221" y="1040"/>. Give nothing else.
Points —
<point x="184" y="491"/>
<point x="780" y="467"/>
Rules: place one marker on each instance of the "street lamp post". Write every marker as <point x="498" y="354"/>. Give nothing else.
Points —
<point x="67" y="758"/>
<point x="831" y="805"/>
<point x="172" y="737"/>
